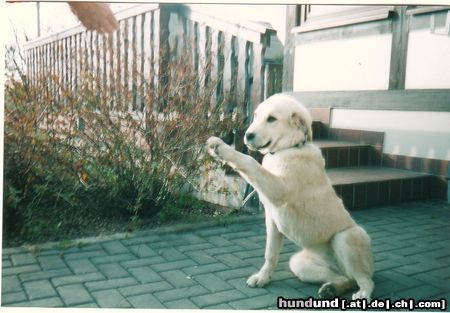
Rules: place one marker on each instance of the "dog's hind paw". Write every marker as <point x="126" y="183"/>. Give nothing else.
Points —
<point x="327" y="291"/>
<point x="258" y="280"/>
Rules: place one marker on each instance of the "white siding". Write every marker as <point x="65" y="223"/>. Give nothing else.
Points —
<point x="346" y="64"/>
<point x="428" y="62"/>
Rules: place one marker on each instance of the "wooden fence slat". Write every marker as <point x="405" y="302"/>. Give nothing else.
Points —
<point x="258" y="77"/>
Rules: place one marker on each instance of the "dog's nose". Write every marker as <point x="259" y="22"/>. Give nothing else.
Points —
<point x="250" y="136"/>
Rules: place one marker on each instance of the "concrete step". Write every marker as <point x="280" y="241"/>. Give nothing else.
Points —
<point x="347" y="154"/>
<point x="367" y="186"/>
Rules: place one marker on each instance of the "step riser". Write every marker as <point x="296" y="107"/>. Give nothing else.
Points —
<point x="362" y="195"/>
<point x="351" y="156"/>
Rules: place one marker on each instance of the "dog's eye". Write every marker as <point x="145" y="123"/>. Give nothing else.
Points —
<point x="271" y="119"/>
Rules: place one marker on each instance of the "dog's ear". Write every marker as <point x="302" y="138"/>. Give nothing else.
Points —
<point x="300" y="123"/>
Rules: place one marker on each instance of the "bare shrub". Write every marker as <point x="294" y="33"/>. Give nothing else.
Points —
<point x="99" y="150"/>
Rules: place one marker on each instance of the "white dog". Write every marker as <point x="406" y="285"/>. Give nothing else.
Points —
<point x="300" y="202"/>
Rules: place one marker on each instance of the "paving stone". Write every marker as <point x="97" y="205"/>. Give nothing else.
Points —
<point x="11" y="284"/>
<point x="177" y="278"/>
<point x="142" y="251"/>
<point x="419" y="293"/>
<point x="222" y="250"/>
<point x="238" y="234"/>
<point x="258" y="302"/>
<point x="81" y="266"/>
<point x="246" y="243"/>
<point x="219" y="241"/>
<point x="39" y="289"/>
<point x="74" y="294"/>
<point x="173" y="265"/>
<point x="145" y="274"/>
<point x="112" y="270"/>
<point x="51" y="262"/>
<point x="84" y="255"/>
<point x="171" y="254"/>
<point x="212" y="282"/>
<point x="201" y="257"/>
<point x="237" y="272"/>
<point x="231" y="261"/>
<point x="195" y="247"/>
<point x="85" y="305"/>
<point x="181" y="304"/>
<point x="142" y="262"/>
<point x="259" y="252"/>
<point x="6" y="264"/>
<point x="202" y="269"/>
<point x="110" y="299"/>
<point x="145" y="301"/>
<point x="240" y="284"/>
<point x="220" y="306"/>
<point x="192" y="239"/>
<point x="20" y="269"/>
<point x="113" y="258"/>
<point x="115" y="247"/>
<point x="186" y="292"/>
<point x="216" y="298"/>
<point x="145" y="288"/>
<point x="111" y="283"/>
<point x="73" y="279"/>
<point x="53" y="302"/>
<point x="22" y="259"/>
<point x="44" y="274"/>
<point x="9" y="298"/>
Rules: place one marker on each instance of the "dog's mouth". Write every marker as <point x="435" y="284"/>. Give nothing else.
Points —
<point x="264" y="146"/>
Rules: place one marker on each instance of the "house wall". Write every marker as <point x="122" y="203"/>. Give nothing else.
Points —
<point x="428" y="61"/>
<point x="360" y="63"/>
<point x="358" y="57"/>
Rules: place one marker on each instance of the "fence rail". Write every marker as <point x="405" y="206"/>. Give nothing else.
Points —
<point x="149" y="36"/>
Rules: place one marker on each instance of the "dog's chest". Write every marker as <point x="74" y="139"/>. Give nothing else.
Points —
<point x="283" y="221"/>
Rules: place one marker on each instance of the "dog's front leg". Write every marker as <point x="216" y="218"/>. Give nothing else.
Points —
<point x="262" y="180"/>
<point x="274" y="243"/>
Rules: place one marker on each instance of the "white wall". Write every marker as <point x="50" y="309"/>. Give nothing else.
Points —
<point x="428" y="62"/>
<point x="418" y="134"/>
<point x="345" y="64"/>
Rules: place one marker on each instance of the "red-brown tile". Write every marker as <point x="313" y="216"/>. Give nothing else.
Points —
<point x="332" y="158"/>
<point x="384" y="192"/>
<point x="360" y="196"/>
<point x="406" y="190"/>
<point x="417" y="189"/>
<point x="347" y="196"/>
<point x="353" y="156"/>
<point x="343" y="158"/>
<point x="373" y="196"/>
<point x="395" y="191"/>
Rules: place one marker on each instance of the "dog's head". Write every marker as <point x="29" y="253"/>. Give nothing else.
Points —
<point x="279" y="122"/>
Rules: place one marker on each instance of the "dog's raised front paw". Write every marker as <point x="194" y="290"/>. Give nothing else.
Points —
<point x="214" y="145"/>
<point x="258" y="280"/>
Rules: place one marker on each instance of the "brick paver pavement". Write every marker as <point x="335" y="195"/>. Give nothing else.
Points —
<point x="207" y="266"/>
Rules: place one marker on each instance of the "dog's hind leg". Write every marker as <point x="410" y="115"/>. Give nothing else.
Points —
<point x="353" y="254"/>
<point x="311" y="267"/>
